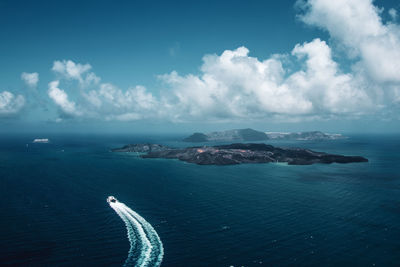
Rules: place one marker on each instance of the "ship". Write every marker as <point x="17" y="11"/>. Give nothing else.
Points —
<point x="111" y="199"/>
<point x="41" y="140"/>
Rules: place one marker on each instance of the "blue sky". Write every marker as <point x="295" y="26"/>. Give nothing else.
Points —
<point x="193" y="65"/>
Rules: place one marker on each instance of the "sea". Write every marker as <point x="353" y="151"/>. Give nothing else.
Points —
<point x="54" y="210"/>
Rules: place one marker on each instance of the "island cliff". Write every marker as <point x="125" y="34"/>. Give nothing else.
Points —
<point x="240" y="153"/>
<point x="253" y="135"/>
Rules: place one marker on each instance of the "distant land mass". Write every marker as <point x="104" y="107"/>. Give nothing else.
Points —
<point x="254" y="135"/>
<point x="238" y="153"/>
<point x="141" y="148"/>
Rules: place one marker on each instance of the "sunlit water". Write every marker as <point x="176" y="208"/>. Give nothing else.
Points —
<point x="54" y="210"/>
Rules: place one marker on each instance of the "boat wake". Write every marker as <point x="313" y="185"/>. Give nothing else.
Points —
<point x="146" y="247"/>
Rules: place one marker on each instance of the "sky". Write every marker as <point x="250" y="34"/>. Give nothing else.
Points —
<point x="182" y="66"/>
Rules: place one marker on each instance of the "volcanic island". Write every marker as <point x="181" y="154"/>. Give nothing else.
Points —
<point x="238" y="153"/>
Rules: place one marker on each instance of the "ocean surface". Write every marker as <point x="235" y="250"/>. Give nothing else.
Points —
<point x="54" y="210"/>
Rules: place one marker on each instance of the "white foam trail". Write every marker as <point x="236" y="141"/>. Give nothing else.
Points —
<point x="146" y="248"/>
<point x="157" y="247"/>
<point x="130" y="261"/>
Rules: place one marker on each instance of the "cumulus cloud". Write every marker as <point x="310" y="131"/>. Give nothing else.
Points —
<point x="131" y="104"/>
<point x="233" y="85"/>
<point x="330" y="90"/>
<point x="75" y="71"/>
<point x="237" y="86"/>
<point x="98" y="100"/>
<point x="61" y="99"/>
<point x="30" y="79"/>
<point x="10" y="104"/>
<point x="393" y="13"/>
<point x="357" y="24"/>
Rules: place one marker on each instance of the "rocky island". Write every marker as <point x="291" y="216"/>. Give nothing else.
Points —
<point x="239" y="153"/>
<point x="254" y="135"/>
<point x="140" y="148"/>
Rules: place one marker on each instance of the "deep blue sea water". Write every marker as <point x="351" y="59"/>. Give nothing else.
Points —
<point x="54" y="210"/>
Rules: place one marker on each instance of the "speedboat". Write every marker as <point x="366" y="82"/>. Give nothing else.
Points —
<point x="111" y="199"/>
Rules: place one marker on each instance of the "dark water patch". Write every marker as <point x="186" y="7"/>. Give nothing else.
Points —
<point x="391" y="206"/>
<point x="52" y="159"/>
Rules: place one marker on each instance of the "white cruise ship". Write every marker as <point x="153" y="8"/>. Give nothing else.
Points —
<point x="41" y="140"/>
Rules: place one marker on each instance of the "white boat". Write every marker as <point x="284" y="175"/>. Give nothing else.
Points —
<point x="111" y="199"/>
<point x="41" y="140"/>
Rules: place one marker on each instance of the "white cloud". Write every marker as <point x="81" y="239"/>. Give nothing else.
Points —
<point x="111" y="102"/>
<point x="393" y="13"/>
<point x="30" y="79"/>
<point x="330" y="91"/>
<point x="357" y="25"/>
<point x="10" y="104"/>
<point x="60" y="98"/>
<point x="103" y="101"/>
<point x="236" y="86"/>
<point x="75" y="71"/>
